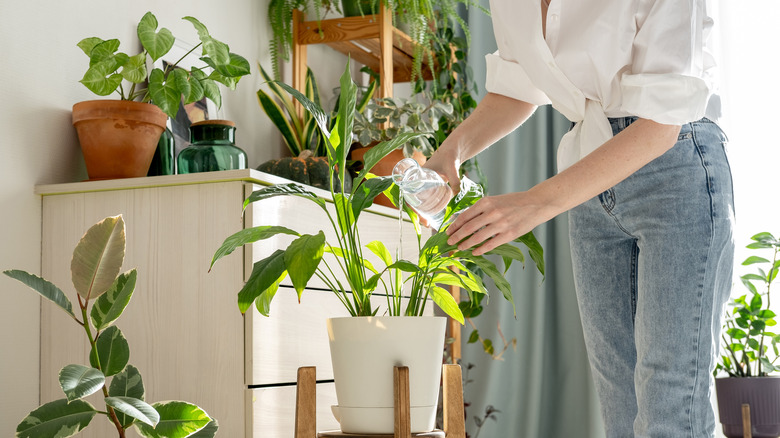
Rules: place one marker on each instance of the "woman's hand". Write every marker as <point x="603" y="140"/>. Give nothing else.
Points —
<point x="495" y="220"/>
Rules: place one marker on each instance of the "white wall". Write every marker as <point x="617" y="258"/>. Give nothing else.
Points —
<point x="40" y="69"/>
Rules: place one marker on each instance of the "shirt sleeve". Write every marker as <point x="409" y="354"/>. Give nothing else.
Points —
<point x="669" y="78"/>
<point x="508" y="78"/>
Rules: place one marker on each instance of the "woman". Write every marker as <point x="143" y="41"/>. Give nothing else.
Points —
<point x="645" y="177"/>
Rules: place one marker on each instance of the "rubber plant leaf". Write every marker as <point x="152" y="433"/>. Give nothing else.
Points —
<point x="249" y="235"/>
<point x="57" y="419"/>
<point x="98" y="257"/>
<point x="135" y="408"/>
<point x="128" y="383"/>
<point x="177" y="420"/>
<point x="112" y="350"/>
<point x="43" y="287"/>
<point x="156" y="43"/>
<point x="110" y="305"/>
<point x="79" y="381"/>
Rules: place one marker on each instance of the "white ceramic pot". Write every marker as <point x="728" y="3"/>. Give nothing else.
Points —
<point x="364" y="351"/>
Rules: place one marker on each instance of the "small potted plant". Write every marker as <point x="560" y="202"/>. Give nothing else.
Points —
<point x="103" y="294"/>
<point x="408" y="286"/>
<point x="141" y="112"/>
<point x="750" y="349"/>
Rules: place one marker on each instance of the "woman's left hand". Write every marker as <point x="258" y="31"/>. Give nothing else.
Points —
<point x="495" y="220"/>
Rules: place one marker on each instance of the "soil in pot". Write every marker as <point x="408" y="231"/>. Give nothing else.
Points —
<point x="118" y="137"/>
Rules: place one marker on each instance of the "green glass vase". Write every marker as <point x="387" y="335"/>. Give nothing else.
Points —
<point x="213" y="148"/>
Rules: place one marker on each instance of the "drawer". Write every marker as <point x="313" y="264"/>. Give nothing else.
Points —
<point x="271" y="411"/>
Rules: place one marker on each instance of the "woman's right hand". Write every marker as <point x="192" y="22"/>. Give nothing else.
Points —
<point x="446" y="163"/>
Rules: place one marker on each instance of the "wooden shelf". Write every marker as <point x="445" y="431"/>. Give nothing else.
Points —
<point x="370" y="40"/>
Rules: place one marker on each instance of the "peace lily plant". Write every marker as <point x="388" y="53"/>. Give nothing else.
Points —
<point x="439" y="263"/>
<point x="109" y="69"/>
<point x="97" y="260"/>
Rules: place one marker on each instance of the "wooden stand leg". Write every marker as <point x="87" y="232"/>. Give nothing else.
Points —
<point x="747" y="428"/>
<point x="306" y="403"/>
<point x="452" y="392"/>
<point x="401" y="403"/>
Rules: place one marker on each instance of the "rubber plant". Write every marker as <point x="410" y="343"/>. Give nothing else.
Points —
<point x="110" y="70"/>
<point x="303" y="258"/>
<point x="103" y="294"/>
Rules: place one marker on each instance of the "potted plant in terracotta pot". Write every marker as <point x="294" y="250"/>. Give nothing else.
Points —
<point x="397" y="334"/>
<point x="103" y="294"/>
<point x="750" y="349"/>
<point x="119" y="137"/>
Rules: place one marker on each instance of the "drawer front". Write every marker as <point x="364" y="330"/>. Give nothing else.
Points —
<point x="306" y="217"/>
<point x="271" y="411"/>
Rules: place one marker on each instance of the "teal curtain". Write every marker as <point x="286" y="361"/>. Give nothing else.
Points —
<point x="543" y="388"/>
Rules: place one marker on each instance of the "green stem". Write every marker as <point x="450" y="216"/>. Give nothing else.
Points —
<point x="93" y="349"/>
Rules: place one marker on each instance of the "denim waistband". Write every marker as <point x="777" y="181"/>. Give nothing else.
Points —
<point x="621" y="123"/>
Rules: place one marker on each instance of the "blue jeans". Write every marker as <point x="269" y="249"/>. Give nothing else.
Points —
<point x="653" y="259"/>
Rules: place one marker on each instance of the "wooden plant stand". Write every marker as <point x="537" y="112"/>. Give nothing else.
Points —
<point x="454" y="421"/>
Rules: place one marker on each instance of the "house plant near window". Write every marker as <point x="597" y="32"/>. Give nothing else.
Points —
<point x="750" y="349"/>
<point x="97" y="260"/>
<point x="141" y="112"/>
<point x="408" y="286"/>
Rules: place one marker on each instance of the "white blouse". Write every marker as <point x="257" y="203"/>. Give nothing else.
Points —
<point x="605" y="58"/>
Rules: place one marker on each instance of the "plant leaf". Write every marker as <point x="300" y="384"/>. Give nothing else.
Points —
<point x="282" y="123"/>
<point x="289" y="189"/>
<point x="473" y="337"/>
<point x="79" y="381"/>
<point x="98" y="257"/>
<point x="164" y="93"/>
<point x="249" y="235"/>
<point x="110" y="305"/>
<point x="363" y="196"/>
<point x="302" y="258"/>
<point x="177" y="420"/>
<point x="113" y="352"/>
<point x="265" y="278"/>
<point x="57" y="419"/>
<point x="535" y="250"/>
<point x="135" y="408"/>
<point x="134" y="70"/>
<point x="156" y="43"/>
<point x="128" y="383"/>
<point x="381" y="251"/>
<point x="43" y="287"/>
<point x="446" y="302"/>
<point x="315" y="110"/>
<point x="380" y="151"/>
<point x="207" y="432"/>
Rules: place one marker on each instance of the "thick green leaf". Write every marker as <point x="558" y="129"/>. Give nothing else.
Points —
<point x="105" y="51"/>
<point x="235" y="67"/>
<point x="177" y="420"/>
<point x="315" y="110"/>
<point x="473" y="337"/>
<point x="736" y="333"/>
<point x="345" y="120"/>
<point x="302" y="258"/>
<point x="290" y="189"/>
<point x="113" y="352"/>
<point x="405" y="266"/>
<point x="282" y="123"/>
<point x="363" y="196"/>
<point x="498" y="279"/>
<point x="134" y="70"/>
<point x="98" y="257"/>
<point x="128" y="383"/>
<point x="79" y="381"/>
<point x="43" y="287"/>
<point x="164" y="93"/>
<point x="135" y="408"/>
<point x="57" y="419"/>
<point x="755" y="303"/>
<point x="508" y="253"/>
<point x="156" y="43"/>
<point x="265" y="278"/>
<point x="207" y="432"/>
<point x="534" y="249"/>
<point x="110" y="305"/>
<point x="754" y="259"/>
<point x="446" y="302"/>
<point x="210" y="88"/>
<point x="87" y="44"/>
<point x="101" y="78"/>
<point x="249" y="235"/>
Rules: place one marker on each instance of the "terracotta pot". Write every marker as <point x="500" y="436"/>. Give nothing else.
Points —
<point x="385" y="167"/>
<point x="118" y="137"/>
<point x="763" y="396"/>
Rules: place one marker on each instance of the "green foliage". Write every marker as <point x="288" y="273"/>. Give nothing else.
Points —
<point x="438" y="263"/>
<point x="109" y="69"/>
<point x="750" y="346"/>
<point x="100" y="254"/>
